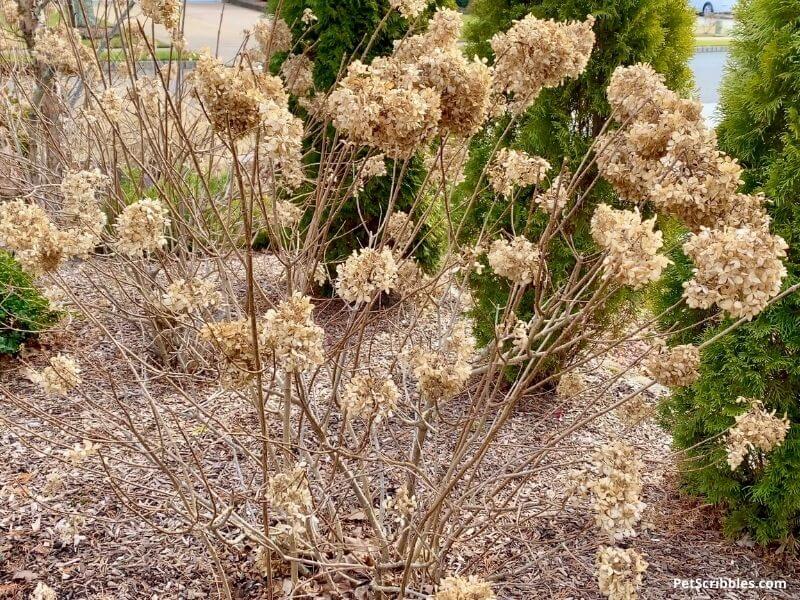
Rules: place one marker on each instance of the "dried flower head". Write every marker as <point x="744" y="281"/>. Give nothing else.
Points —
<point x="290" y="337"/>
<point x="60" y="377"/>
<point x="297" y="72"/>
<point x="60" y="47"/>
<point x="464" y="588"/>
<point x="631" y="246"/>
<point x="366" y="273"/>
<point x="164" y="12"/>
<point x="570" y="385"/>
<point x="619" y="572"/>
<point x="517" y="260"/>
<point x="515" y="168"/>
<point x="673" y="367"/>
<point x="738" y="269"/>
<point x="535" y="54"/>
<point x="442" y="373"/>
<point x="288" y="492"/>
<point x="367" y="396"/>
<point x="308" y="17"/>
<point x="141" y="228"/>
<point x="42" y="591"/>
<point x="410" y="9"/>
<point x="38" y="245"/>
<point x="273" y="36"/>
<point x="183" y="297"/>
<point x="756" y="429"/>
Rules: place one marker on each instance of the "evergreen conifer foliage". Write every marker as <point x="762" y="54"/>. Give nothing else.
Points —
<point x="760" y="106"/>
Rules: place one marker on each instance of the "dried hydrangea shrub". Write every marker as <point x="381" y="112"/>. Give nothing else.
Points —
<point x="59" y="378"/>
<point x="188" y="296"/>
<point x="38" y="245"/>
<point x="297" y="72"/>
<point x="535" y="54"/>
<point x="464" y="588"/>
<point x="410" y="9"/>
<point x="234" y="341"/>
<point x="756" y="429"/>
<point x="517" y="260"/>
<point x="619" y="572"/>
<point x="365" y="274"/>
<point x="141" y="228"/>
<point x="570" y="385"/>
<point x="60" y="48"/>
<point x="631" y="246"/>
<point x="673" y="367"/>
<point x="740" y="270"/>
<point x="515" y="168"/>
<point x="164" y="12"/>
<point x="289" y="493"/>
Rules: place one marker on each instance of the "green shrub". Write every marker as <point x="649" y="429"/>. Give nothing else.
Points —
<point x="563" y="121"/>
<point x="761" y="127"/>
<point x="23" y="310"/>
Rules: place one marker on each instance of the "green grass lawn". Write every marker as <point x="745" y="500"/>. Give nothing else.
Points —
<point x="712" y="41"/>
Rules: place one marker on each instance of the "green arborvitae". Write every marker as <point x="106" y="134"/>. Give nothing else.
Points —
<point x="23" y="310"/>
<point x="564" y="120"/>
<point x="345" y="29"/>
<point x="760" y="106"/>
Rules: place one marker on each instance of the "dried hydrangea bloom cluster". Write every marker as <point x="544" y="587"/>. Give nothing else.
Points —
<point x="80" y="452"/>
<point x="164" y="12"/>
<point x="464" y="588"/>
<point x="61" y="49"/>
<point x="233" y="340"/>
<point x="619" y="572"/>
<point x="80" y="207"/>
<point x="239" y="101"/>
<point x="403" y="504"/>
<point x="631" y="246"/>
<point x="374" y="166"/>
<point x="665" y="154"/>
<point x="308" y="17"/>
<point x="288" y="492"/>
<point x="535" y="54"/>
<point x="365" y="274"/>
<point x="400" y="229"/>
<point x="554" y="199"/>
<point x="273" y="36"/>
<point x="635" y="410"/>
<point x="368" y="396"/>
<point x="297" y="72"/>
<point x="284" y="213"/>
<point x="410" y="9"/>
<point x="615" y="486"/>
<point x="673" y="367"/>
<point x="446" y="165"/>
<point x="185" y="297"/>
<point x="290" y="337"/>
<point x="514" y="168"/>
<point x="738" y="269"/>
<point x="43" y="592"/>
<point x="141" y="228"/>
<point x="464" y="86"/>
<point x="517" y="260"/>
<point x="443" y="373"/>
<point x="570" y="385"/>
<point x="756" y="429"/>
<point x="59" y="378"/>
<point x="38" y="245"/>
<point x="384" y="105"/>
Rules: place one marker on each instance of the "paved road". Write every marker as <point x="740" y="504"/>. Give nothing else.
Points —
<point x="203" y="21"/>
<point x="708" y="68"/>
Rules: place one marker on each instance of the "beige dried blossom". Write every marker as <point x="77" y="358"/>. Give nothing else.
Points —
<point x="535" y="54"/>
<point x="619" y="572"/>
<point x="80" y="207"/>
<point x="374" y="166"/>
<point x="514" y="168"/>
<point x="61" y="49"/>
<point x="616" y="486"/>
<point x="635" y="410"/>
<point x="288" y="493"/>
<point x="60" y="377"/>
<point x="636" y="92"/>
<point x="403" y="504"/>
<point x="443" y="373"/>
<point x="164" y="12"/>
<point x="368" y="396"/>
<point x="308" y="17"/>
<point x="284" y="213"/>
<point x="446" y="165"/>
<point x="756" y="429"/>
<point x="80" y="452"/>
<point x="111" y="105"/>
<point x="631" y="246"/>
<point x="184" y="297"/>
<point x="385" y="106"/>
<point x="297" y="72"/>
<point x="273" y="36"/>
<point x="673" y="367"/>
<point x="738" y="269"/>
<point x="464" y="588"/>
<point x="289" y="336"/>
<point x="570" y="385"/>
<point x="517" y="260"/>
<point x="410" y="9"/>
<point x="400" y="228"/>
<point x="554" y="200"/>
<point x="141" y="228"/>
<point x="234" y="341"/>
<point x="365" y="274"/>
<point x="42" y="591"/>
<point x="38" y="245"/>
